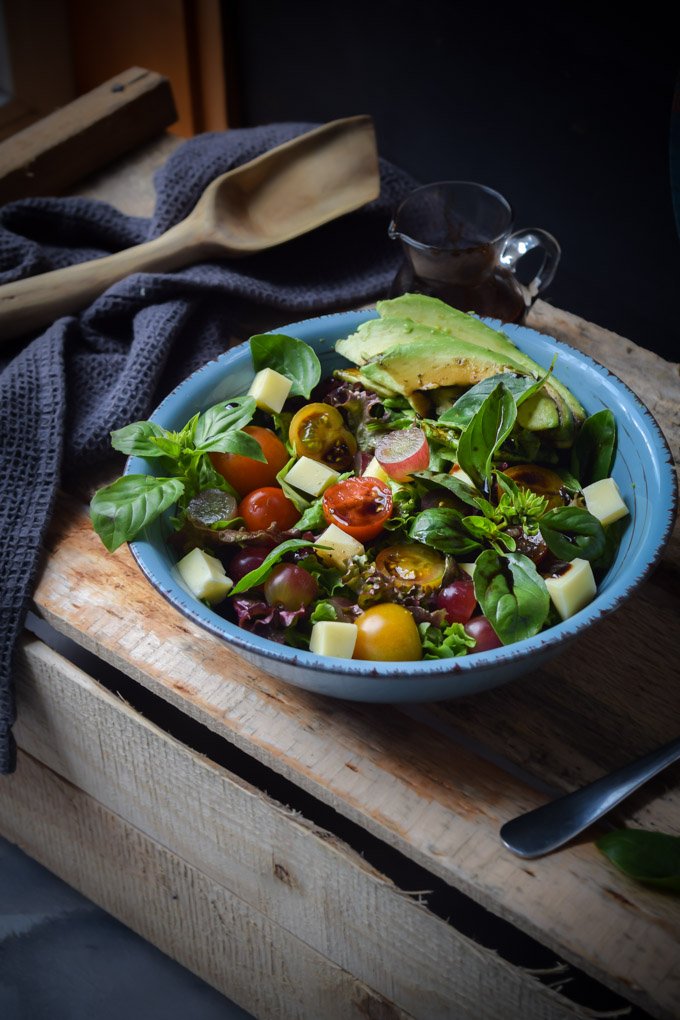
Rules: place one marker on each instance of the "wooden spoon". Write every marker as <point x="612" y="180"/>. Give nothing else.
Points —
<point x="281" y="194"/>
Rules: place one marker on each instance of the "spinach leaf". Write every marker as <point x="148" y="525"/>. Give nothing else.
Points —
<point x="259" y="574"/>
<point x="571" y="531"/>
<point x="512" y="594"/>
<point x="288" y="356"/>
<point x="487" y="430"/>
<point x="443" y="529"/>
<point x="613" y="534"/>
<point x="120" y="510"/>
<point x="650" y="857"/>
<point x="455" y="485"/>
<point x="137" y="439"/>
<point x="467" y="405"/>
<point x="592" y="454"/>
<point x="445" y="642"/>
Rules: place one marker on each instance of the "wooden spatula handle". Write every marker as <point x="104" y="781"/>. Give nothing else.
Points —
<point x="28" y="304"/>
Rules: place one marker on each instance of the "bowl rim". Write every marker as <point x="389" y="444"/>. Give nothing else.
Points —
<point x="562" y="633"/>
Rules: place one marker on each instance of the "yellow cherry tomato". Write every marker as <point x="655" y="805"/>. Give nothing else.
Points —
<point x="318" y="431"/>
<point x="412" y="563"/>
<point x="388" y="633"/>
<point x="540" y="480"/>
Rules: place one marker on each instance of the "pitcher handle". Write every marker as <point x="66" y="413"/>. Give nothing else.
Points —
<point x="523" y="241"/>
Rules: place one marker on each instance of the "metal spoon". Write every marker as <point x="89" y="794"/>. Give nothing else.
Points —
<point x="281" y="194"/>
<point x="548" y="827"/>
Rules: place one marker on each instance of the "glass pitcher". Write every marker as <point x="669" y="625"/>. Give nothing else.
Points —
<point x="458" y="246"/>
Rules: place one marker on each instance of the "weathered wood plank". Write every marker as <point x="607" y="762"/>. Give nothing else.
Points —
<point x="160" y="896"/>
<point x="300" y="878"/>
<point x="49" y="156"/>
<point x="400" y="778"/>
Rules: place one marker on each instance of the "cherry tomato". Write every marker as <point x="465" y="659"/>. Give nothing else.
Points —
<point x="388" y="633"/>
<point x="266" y="506"/>
<point x="540" y="480"/>
<point x="358" y="506"/>
<point x="290" y="586"/>
<point x="486" y="637"/>
<point x="408" y="564"/>
<point x="458" y="600"/>
<point x="246" y="474"/>
<point x="318" y="431"/>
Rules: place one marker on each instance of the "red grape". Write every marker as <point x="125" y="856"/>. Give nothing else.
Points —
<point x="401" y="452"/>
<point x="247" y="559"/>
<point x="481" y="630"/>
<point x="290" y="586"/>
<point x="458" y="600"/>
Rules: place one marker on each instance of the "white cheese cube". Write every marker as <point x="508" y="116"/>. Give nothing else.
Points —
<point x="469" y="568"/>
<point x="461" y="475"/>
<point x="334" y="638"/>
<point x="375" y="470"/>
<point x="270" y="390"/>
<point x="311" y="476"/>
<point x="341" y="547"/>
<point x="205" y="577"/>
<point x="573" y="589"/>
<point x="603" y="501"/>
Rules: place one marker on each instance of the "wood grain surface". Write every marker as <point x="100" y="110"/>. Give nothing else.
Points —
<point x="437" y="782"/>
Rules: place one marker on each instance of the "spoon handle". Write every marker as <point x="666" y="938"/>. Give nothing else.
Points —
<point x="548" y="827"/>
<point x="34" y="302"/>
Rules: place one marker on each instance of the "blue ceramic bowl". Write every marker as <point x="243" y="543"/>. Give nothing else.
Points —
<point x="643" y="471"/>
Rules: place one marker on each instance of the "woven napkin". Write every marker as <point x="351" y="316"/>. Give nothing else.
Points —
<point x="62" y="393"/>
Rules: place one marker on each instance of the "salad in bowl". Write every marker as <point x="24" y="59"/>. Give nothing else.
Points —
<point x="437" y="495"/>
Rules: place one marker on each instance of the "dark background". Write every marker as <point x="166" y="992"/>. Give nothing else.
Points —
<point x="565" y="110"/>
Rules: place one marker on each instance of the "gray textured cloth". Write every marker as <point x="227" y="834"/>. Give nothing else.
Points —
<point x="62" y="392"/>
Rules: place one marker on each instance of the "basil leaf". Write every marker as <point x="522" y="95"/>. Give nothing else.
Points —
<point x="512" y="594"/>
<point x="650" y="857"/>
<point x="592" y="454"/>
<point x="222" y="421"/>
<point x="466" y="407"/>
<point x="570" y="531"/>
<point x="136" y="439"/>
<point x="120" y="510"/>
<point x="237" y="442"/>
<point x="288" y="356"/>
<point x="487" y="430"/>
<point x="443" y="529"/>
<point x="259" y="574"/>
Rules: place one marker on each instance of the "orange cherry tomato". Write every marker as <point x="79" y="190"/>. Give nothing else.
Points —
<point x="318" y="431"/>
<point x="245" y="474"/>
<point x="266" y="506"/>
<point x="389" y="633"/>
<point x="358" y="506"/>
<point x="411" y="563"/>
<point x="540" y="480"/>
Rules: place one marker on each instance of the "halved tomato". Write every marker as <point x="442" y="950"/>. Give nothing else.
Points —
<point x="358" y="506"/>
<point x="318" y="431"/>
<point x="540" y="480"/>
<point x="411" y="563"/>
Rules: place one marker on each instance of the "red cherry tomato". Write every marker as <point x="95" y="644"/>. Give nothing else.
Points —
<point x="358" y="506"/>
<point x="245" y="474"/>
<point x="266" y="506"/>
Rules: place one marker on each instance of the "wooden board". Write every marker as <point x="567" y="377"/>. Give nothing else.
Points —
<point x="86" y="134"/>
<point x="307" y="895"/>
<point x="408" y="780"/>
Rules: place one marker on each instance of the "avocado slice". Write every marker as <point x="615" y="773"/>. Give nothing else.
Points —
<point x="432" y="312"/>
<point x="538" y="413"/>
<point x="409" y="366"/>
